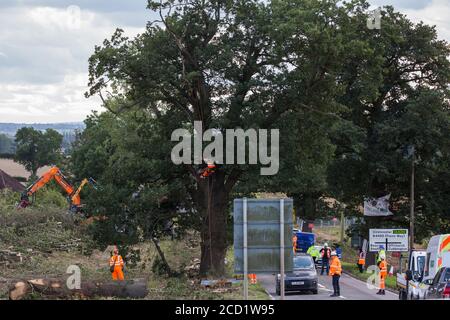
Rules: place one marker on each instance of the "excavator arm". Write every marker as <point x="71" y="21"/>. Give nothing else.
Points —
<point x="56" y="174"/>
<point x="52" y="174"/>
<point x="75" y="198"/>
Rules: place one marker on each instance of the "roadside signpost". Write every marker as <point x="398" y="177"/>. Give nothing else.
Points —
<point x="392" y="239"/>
<point x="263" y="238"/>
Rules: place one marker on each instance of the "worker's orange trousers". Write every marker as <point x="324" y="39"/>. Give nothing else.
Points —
<point x="118" y="273"/>
<point x="382" y="282"/>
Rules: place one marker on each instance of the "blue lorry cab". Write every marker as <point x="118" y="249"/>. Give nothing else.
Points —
<point x="305" y="240"/>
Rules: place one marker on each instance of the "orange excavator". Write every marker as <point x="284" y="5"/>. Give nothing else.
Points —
<point x="55" y="174"/>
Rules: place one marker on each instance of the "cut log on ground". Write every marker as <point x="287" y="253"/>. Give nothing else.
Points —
<point x="57" y="288"/>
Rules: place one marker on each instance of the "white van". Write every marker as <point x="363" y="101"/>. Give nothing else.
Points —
<point x="412" y="289"/>
<point x="438" y="255"/>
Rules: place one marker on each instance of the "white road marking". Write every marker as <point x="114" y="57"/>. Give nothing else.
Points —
<point x="268" y="293"/>
<point x="322" y="287"/>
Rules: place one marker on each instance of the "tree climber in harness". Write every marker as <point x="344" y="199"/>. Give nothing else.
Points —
<point x="208" y="171"/>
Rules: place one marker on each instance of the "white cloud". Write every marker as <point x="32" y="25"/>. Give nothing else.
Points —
<point x="46" y="102"/>
<point x="436" y="13"/>
<point x="431" y="12"/>
<point x="45" y="46"/>
<point x="44" y="55"/>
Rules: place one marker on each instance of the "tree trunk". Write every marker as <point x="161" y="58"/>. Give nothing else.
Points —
<point x="212" y="202"/>
<point x="162" y="256"/>
<point x="57" y="288"/>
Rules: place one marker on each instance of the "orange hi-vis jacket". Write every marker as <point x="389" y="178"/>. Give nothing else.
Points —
<point x="208" y="170"/>
<point x="335" y="267"/>
<point x="383" y="268"/>
<point x="116" y="261"/>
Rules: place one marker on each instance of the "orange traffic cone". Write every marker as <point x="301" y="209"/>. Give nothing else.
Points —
<point x="391" y="271"/>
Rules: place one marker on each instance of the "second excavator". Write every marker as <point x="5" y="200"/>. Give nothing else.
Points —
<point x="73" y="195"/>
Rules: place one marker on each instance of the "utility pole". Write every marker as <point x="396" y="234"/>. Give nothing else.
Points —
<point x="411" y="217"/>
<point x="342" y="224"/>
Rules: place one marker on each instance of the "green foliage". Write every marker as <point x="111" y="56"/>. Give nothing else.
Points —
<point x="159" y="268"/>
<point x="35" y="149"/>
<point x="21" y="179"/>
<point x="396" y="85"/>
<point x="127" y="171"/>
<point x="337" y="90"/>
<point x="6" y="144"/>
<point x="8" y="199"/>
<point x="51" y="196"/>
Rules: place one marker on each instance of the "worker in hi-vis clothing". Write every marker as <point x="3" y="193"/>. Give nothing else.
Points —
<point x="116" y="265"/>
<point x="335" y="273"/>
<point x="381" y="253"/>
<point x="383" y="273"/>
<point x="313" y="252"/>
<point x="361" y="260"/>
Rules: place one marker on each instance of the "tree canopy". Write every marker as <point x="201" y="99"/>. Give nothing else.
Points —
<point x="35" y="149"/>
<point x="345" y="98"/>
<point x="6" y="144"/>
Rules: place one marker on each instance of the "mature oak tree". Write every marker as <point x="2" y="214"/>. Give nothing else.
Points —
<point x="228" y="64"/>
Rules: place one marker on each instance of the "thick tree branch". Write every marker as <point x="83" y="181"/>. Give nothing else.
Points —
<point x="193" y="172"/>
<point x="232" y="179"/>
<point x="122" y="107"/>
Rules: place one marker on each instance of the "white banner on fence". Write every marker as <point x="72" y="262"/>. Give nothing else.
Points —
<point x="377" y="206"/>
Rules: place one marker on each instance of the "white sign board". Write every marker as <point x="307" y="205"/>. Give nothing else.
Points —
<point x="396" y="239"/>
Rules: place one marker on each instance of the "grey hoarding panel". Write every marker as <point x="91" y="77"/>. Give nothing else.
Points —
<point x="263" y="235"/>
<point x="263" y="211"/>
<point x="263" y="260"/>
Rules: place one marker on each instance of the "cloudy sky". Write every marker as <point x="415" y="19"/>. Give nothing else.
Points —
<point x="45" y="45"/>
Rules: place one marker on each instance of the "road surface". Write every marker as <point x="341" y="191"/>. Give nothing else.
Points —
<point x="351" y="289"/>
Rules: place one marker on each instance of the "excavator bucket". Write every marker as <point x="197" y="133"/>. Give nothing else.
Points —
<point x="24" y="201"/>
<point x="23" y="204"/>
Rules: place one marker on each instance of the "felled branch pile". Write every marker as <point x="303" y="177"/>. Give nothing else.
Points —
<point x="73" y="245"/>
<point x="9" y="257"/>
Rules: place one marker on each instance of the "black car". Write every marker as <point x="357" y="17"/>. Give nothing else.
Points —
<point x="303" y="277"/>
<point x="439" y="286"/>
